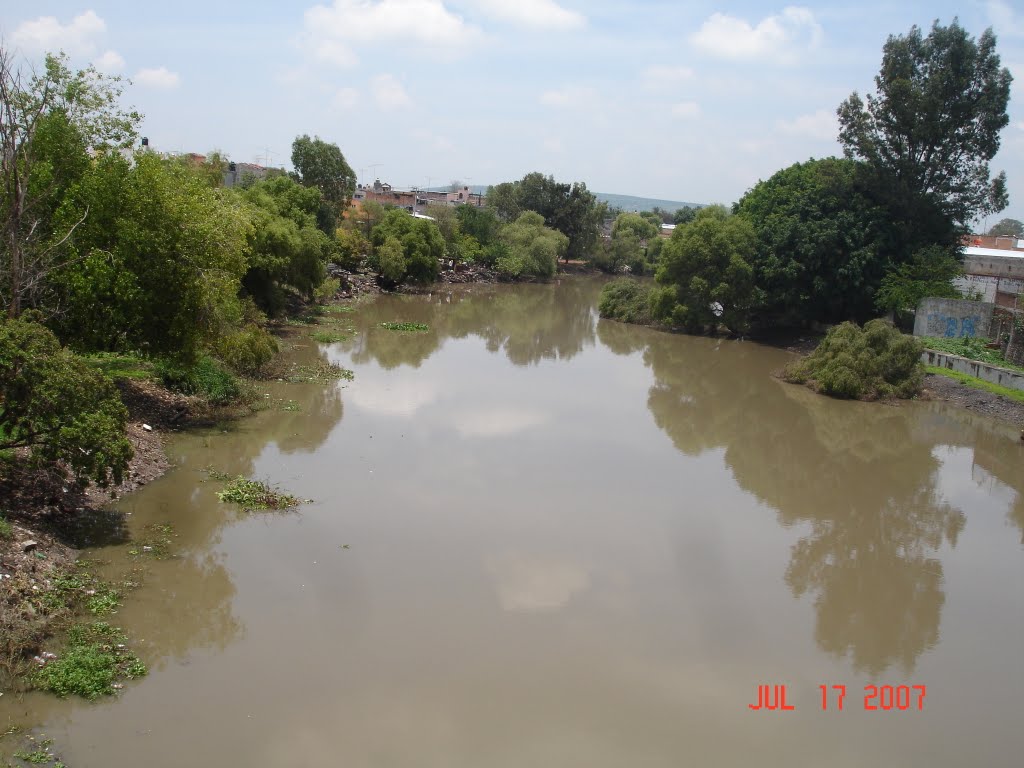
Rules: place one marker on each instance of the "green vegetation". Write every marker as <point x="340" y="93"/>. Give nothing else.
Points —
<point x="971" y="347"/>
<point x="864" y="363"/>
<point x="1007" y="227"/>
<point x="329" y="337"/>
<point x="705" y="274"/>
<point x="58" y="406"/>
<point x="6" y="531"/>
<point x="976" y="383"/>
<point x="528" y="248"/>
<point x="321" y="166"/>
<point x="405" y="326"/>
<point x="254" y="495"/>
<point x="93" y="661"/>
<point x="627" y="300"/>
<point x="208" y="378"/>
<point x="121" y="366"/>
<point x="406" y="249"/>
<point x="568" y="208"/>
<point x="320" y="372"/>
<point x="933" y="124"/>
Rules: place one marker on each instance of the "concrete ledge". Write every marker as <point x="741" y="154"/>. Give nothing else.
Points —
<point x="990" y="373"/>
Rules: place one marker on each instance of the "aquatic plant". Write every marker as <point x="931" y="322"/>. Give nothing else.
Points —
<point x="420" y="327"/>
<point x="95" y="659"/>
<point x="253" y="494"/>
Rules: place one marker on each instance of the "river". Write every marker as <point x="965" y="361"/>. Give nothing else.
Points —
<point x="541" y="539"/>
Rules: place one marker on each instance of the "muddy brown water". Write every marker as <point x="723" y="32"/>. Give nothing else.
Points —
<point x="570" y="543"/>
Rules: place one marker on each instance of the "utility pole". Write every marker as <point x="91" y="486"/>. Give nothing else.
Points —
<point x="266" y="157"/>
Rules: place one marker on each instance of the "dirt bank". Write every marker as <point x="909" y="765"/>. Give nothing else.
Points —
<point x="945" y="389"/>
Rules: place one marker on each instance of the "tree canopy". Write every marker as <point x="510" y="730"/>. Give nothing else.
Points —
<point x="933" y="124"/>
<point x="1007" y="227"/>
<point x="322" y="165"/>
<point x="420" y="242"/>
<point x="705" y="273"/>
<point x="529" y="247"/>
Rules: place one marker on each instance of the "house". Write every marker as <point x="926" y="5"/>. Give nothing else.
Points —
<point x="994" y="274"/>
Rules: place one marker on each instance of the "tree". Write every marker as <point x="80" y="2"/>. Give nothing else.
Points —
<point x="322" y="165"/>
<point x="570" y="208"/>
<point x="930" y="273"/>
<point x="531" y="249"/>
<point x="684" y="215"/>
<point x="705" y="273"/>
<point x="45" y="119"/>
<point x="1007" y="227"/>
<point x="422" y="248"/>
<point x="156" y="265"/>
<point x="59" y="407"/>
<point x="480" y="223"/>
<point x="934" y="123"/>
<point x="823" y="242"/>
<point x="642" y="227"/>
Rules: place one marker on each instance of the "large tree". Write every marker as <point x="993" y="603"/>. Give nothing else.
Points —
<point x="933" y="125"/>
<point x="322" y="165"/>
<point x="706" y="275"/>
<point x="47" y="121"/>
<point x="1007" y="228"/>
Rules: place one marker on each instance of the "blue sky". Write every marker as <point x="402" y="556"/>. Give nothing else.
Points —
<point x="690" y="101"/>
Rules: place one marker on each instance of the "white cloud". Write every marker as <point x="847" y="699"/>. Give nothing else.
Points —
<point x="109" y="61"/>
<point x="686" y="109"/>
<point x="389" y="93"/>
<point x="570" y="96"/>
<point x="157" y="77"/>
<point x="47" y="35"/>
<point x="781" y="37"/>
<point x="822" y="125"/>
<point x="532" y="13"/>
<point x="346" y="98"/>
<point x="659" y="77"/>
<point x="333" y="30"/>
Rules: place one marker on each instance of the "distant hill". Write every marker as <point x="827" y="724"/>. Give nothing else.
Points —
<point x="631" y="203"/>
<point x="625" y="202"/>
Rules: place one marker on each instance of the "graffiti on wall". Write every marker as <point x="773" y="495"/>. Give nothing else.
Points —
<point x="952" y="327"/>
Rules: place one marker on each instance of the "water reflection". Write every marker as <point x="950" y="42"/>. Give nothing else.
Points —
<point x="852" y="473"/>
<point x="528" y="323"/>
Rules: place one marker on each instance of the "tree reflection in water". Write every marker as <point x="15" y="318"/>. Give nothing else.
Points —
<point x="853" y="472"/>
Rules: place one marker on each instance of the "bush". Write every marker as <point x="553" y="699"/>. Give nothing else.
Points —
<point x="248" y="350"/>
<point x="626" y="300"/>
<point x="94" y="660"/>
<point x="58" y="406"/>
<point x="208" y="378"/>
<point x="865" y="363"/>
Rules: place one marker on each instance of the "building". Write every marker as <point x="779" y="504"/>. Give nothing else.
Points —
<point x="236" y="173"/>
<point x="995" y="275"/>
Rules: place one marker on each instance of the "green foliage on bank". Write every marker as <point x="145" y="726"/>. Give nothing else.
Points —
<point x="627" y="300"/>
<point x="59" y="407"/>
<point x="867" y="363"/>
<point x="976" y="383"/>
<point x="971" y="347"/>
<point x="90" y="666"/>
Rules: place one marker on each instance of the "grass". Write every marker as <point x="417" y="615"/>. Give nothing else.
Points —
<point x="121" y="366"/>
<point x="972" y="348"/>
<point x="330" y="337"/>
<point x="253" y="495"/>
<point x="6" y="531"/>
<point x="976" y="383"/>
<point x="95" y="659"/>
<point x="417" y="327"/>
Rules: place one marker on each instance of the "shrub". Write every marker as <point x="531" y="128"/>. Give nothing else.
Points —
<point x="248" y="350"/>
<point x="93" y="661"/>
<point x="58" y="406"/>
<point x="208" y="378"/>
<point x="626" y="300"/>
<point x="866" y="363"/>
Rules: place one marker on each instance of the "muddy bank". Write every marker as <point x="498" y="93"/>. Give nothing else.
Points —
<point x="945" y="389"/>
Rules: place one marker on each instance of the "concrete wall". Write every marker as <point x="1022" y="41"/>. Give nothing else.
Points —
<point x="1011" y="266"/>
<point x="983" y="371"/>
<point x="953" y="318"/>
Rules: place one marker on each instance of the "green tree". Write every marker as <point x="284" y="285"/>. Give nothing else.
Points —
<point x="642" y="227"/>
<point x="823" y="242"/>
<point x="531" y="249"/>
<point x="286" y="248"/>
<point x="1007" y="227"/>
<point x="47" y="119"/>
<point x="705" y="273"/>
<point x="933" y="125"/>
<point x="929" y="274"/>
<point x="422" y="247"/>
<point x="156" y="264"/>
<point x="59" y="407"/>
<point x="322" y="165"/>
<point x="480" y="223"/>
<point x="684" y="215"/>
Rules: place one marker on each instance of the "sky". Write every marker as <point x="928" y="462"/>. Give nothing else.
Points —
<point x="693" y="101"/>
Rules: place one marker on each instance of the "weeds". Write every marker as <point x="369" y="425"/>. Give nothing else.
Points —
<point x="417" y="327"/>
<point x="253" y="495"/>
<point x="973" y="348"/>
<point x="971" y="381"/>
<point x="6" y="530"/>
<point x="95" y="659"/>
<point x="157" y="543"/>
<point x="330" y="337"/>
<point x="320" y="372"/>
